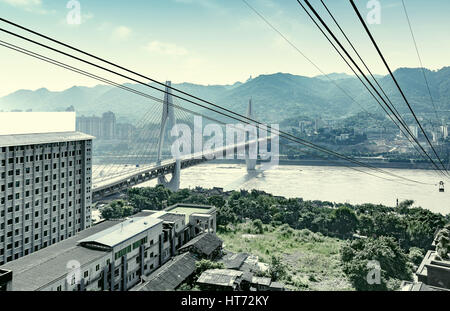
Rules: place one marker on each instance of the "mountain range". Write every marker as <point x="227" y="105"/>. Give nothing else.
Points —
<point x="275" y="96"/>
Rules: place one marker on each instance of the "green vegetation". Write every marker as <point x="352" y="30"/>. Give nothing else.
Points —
<point x="313" y="241"/>
<point x="117" y="209"/>
<point x="391" y="261"/>
<point x="300" y="258"/>
<point x="443" y="242"/>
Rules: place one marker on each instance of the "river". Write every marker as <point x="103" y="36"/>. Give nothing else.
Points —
<point x="335" y="184"/>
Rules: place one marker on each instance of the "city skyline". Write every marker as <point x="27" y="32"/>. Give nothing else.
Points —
<point x="219" y="44"/>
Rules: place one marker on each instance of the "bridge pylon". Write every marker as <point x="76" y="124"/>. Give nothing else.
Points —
<point x="251" y="163"/>
<point x="168" y="121"/>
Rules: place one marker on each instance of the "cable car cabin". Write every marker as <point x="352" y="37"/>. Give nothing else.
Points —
<point x="441" y="186"/>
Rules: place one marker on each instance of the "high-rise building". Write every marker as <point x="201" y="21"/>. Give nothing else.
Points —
<point x="444" y="131"/>
<point x="414" y="130"/>
<point x="45" y="185"/>
<point x="102" y="128"/>
<point x="109" y="125"/>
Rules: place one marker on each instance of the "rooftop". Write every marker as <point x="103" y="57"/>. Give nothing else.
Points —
<point x="40" y="268"/>
<point x="121" y="232"/>
<point x="172" y="217"/>
<point x="418" y="287"/>
<point x="234" y="261"/>
<point x="220" y="277"/>
<point x="41" y="138"/>
<point x="261" y="281"/>
<point x="205" y="244"/>
<point x="170" y="275"/>
<point x="431" y="260"/>
<point x="189" y="209"/>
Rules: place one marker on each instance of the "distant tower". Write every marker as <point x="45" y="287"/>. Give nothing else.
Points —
<point x="251" y="163"/>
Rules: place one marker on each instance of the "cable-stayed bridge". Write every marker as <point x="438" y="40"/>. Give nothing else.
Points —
<point x="147" y="160"/>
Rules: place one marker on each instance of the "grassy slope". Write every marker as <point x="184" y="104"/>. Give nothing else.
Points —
<point x="312" y="259"/>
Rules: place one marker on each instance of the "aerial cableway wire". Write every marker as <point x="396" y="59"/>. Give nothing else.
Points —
<point x="281" y="134"/>
<point x="177" y="96"/>
<point x="367" y="68"/>
<point x="367" y="88"/>
<point x="395" y="80"/>
<point x="398" y="117"/>
<point x="365" y="77"/>
<point x="128" y="70"/>
<point x="300" y="52"/>
<point x="422" y="69"/>
<point x="362" y="61"/>
<point x="337" y="50"/>
<point x="146" y="77"/>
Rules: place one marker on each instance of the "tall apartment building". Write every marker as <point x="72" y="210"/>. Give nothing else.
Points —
<point x="102" y="128"/>
<point x="45" y="189"/>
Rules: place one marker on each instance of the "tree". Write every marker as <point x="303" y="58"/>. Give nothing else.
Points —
<point x="117" y="209"/>
<point x="415" y="255"/>
<point x="217" y="201"/>
<point x="344" y="221"/>
<point x="258" y="225"/>
<point x="365" y="225"/>
<point x="148" y="198"/>
<point x="443" y="242"/>
<point x="392" y="263"/>
<point x="277" y="269"/>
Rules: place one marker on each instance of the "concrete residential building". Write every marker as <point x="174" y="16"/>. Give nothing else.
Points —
<point x="103" y="127"/>
<point x="112" y="255"/>
<point x="45" y="189"/>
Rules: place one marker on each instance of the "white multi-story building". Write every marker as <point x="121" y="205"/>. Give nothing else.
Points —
<point x="45" y="187"/>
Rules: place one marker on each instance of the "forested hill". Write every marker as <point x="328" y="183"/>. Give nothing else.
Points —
<point x="275" y="96"/>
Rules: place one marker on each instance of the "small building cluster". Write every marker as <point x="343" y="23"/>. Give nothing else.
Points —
<point x="116" y="255"/>
<point x="240" y="273"/>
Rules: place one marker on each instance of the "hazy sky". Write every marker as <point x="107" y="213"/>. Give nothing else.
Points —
<point x="214" y="41"/>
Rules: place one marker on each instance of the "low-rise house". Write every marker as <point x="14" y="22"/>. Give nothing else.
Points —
<point x="234" y="261"/>
<point x="220" y="279"/>
<point x="434" y="271"/>
<point x="204" y="246"/>
<point x="235" y="280"/>
<point x="419" y="287"/>
<point x="170" y="275"/>
<point x="261" y="283"/>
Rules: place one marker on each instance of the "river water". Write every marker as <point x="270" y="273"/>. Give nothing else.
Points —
<point x="335" y="184"/>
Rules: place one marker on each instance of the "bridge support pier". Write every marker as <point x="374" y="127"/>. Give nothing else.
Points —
<point x="174" y="183"/>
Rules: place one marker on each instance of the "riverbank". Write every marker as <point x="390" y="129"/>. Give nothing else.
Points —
<point x="339" y="163"/>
